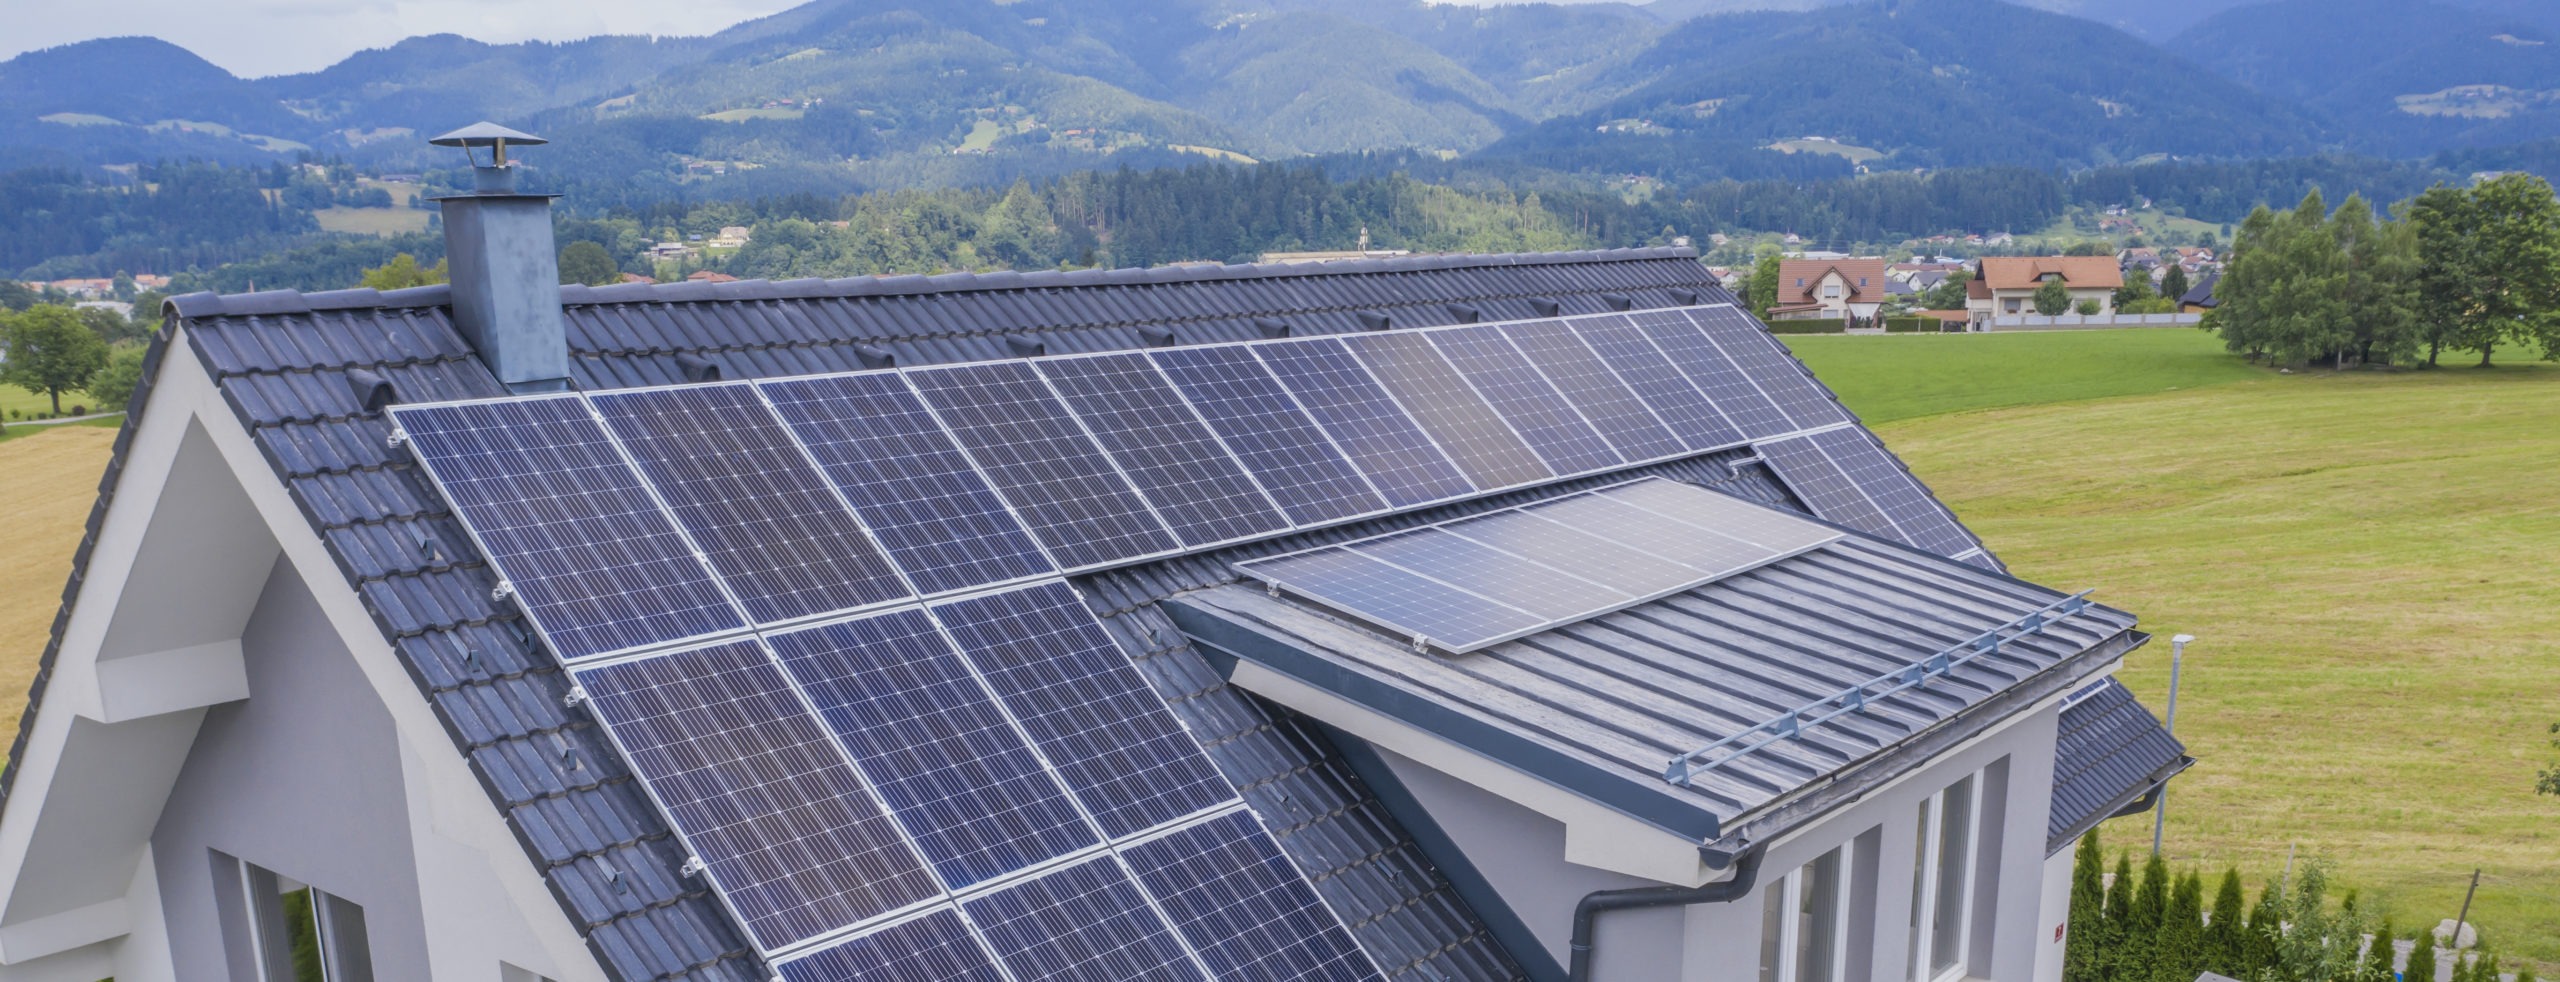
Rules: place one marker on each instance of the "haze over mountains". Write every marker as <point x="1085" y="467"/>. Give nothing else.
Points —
<point x="935" y="91"/>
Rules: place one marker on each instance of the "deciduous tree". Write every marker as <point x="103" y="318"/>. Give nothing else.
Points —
<point x="50" y="352"/>
<point x="2053" y="298"/>
<point x="585" y="262"/>
<point x="403" y="272"/>
<point x="2489" y="266"/>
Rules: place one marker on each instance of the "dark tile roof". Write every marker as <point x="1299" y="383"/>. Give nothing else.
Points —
<point x="2110" y="753"/>
<point x="284" y="362"/>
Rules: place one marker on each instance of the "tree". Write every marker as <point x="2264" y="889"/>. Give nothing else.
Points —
<point x="113" y="385"/>
<point x="403" y="272"/>
<point x="110" y="326"/>
<point x="2265" y="933"/>
<point x="2140" y="944"/>
<point x="2088" y="308"/>
<point x="1764" y="284"/>
<point x="2317" y="944"/>
<point x="2173" y="283"/>
<point x="2081" y="947"/>
<point x="2377" y="955"/>
<point x="1949" y="294"/>
<point x="2379" y="281"/>
<point x="50" y="351"/>
<point x="2112" y="955"/>
<point x="2227" y="938"/>
<point x="2053" y="297"/>
<point x="583" y="262"/>
<point x="2422" y="959"/>
<point x="2280" y="291"/>
<point x="2182" y="953"/>
<point x="2489" y="266"/>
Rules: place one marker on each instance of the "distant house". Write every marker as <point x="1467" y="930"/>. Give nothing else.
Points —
<point x="2200" y="298"/>
<point x="1829" y="289"/>
<point x="707" y="276"/>
<point x="732" y="236"/>
<point x="2008" y="284"/>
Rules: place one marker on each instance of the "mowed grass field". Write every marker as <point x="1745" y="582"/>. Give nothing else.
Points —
<point x="2368" y="561"/>
<point x="48" y="479"/>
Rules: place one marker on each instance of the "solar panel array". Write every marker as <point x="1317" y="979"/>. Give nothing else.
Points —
<point x="1849" y="478"/>
<point x="1472" y="583"/>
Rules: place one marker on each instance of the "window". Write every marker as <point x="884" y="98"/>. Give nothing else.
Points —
<point x="1830" y="291"/>
<point x="1942" y="882"/>
<point x="297" y="933"/>
<point x="1801" y="932"/>
<point x="2013" y="305"/>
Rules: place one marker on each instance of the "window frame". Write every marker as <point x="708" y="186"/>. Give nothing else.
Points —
<point x="1789" y="892"/>
<point x="1928" y="864"/>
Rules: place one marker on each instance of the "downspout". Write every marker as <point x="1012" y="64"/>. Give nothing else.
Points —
<point x="1746" y="872"/>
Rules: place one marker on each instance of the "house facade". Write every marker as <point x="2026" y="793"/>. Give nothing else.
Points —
<point x="306" y="695"/>
<point x="1830" y="289"/>
<point x="2007" y="285"/>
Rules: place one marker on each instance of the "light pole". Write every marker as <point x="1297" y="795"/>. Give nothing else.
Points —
<point x="2177" y="655"/>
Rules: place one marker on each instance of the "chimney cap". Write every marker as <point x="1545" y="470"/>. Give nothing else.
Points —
<point x="487" y="134"/>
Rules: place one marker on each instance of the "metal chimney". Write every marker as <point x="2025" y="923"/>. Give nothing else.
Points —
<point x="504" y="266"/>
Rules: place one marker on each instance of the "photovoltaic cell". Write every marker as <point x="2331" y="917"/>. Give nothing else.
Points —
<point x="1476" y="438"/>
<point x="1766" y="527"/>
<point x="1243" y="907"/>
<point x="1297" y="464"/>
<point x="1086" y="923"/>
<point x="569" y="524"/>
<point x="1515" y="581"/>
<point x="1586" y="382"/>
<point x="759" y="791"/>
<point x="768" y="522"/>
<point x="1708" y="552"/>
<point x="1041" y="461"/>
<point x="1925" y="523"/>
<point x="1164" y="448"/>
<point x="1552" y="426"/>
<point x="935" y="746"/>
<point x="1110" y="738"/>
<point x="908" y="481"/>
<point x="1574" y="551"/>
<point x="1824" y="487"/>
<point x="937" y="947"/>
<point x="1663" y="387"/>
<point x="1724" y="383"/>
<point x="1779" y="374"/>
<point x="1386" y="444"/>
<point x="1393" y="598"/>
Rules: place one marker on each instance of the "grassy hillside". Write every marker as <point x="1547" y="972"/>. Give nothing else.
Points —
<point x="49" y="477"/>
<point x="1903" y="376"/>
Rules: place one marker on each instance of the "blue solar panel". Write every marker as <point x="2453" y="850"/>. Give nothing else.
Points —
<point x="751" y="500"/>
<point x="1119" y="750"/>
<point x="1086" y="923"/>
<point x="569" y="524"/>
<point x="1586" y="382"/>
<point x="1458" y="419"/>
<point x="1164" y="448"/>
<point x="1515" y="581"/>
<point x="1042" y="462"/>
<point x="1777" y="371"/>
<point x="1709" y="552"/>
<point x="908" y="481"/>
<point x="937" y="947"/>
<point x="1251" y="916"/>
<point x="1824" y="487"/>
<point x="935" y="746"/>
<point x="1724" y="383"/>
<point x="1665" y="389"/>
<point x="1368" y="425"/>
<point x="760" y="793"/>
<point x="1393" y="598"/>
<point x="1575" y="551"/>
<point x="1924" y="522"/>
<point x="1552" y="426"/>
<point x="1304" y="472"/>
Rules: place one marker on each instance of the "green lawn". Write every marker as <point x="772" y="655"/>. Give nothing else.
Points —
<point x="14" y="400"/>
<point x="2366" y="559"/>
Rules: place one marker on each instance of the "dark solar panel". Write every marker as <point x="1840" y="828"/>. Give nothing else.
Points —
<point x="759" y="791"/>
<point x="1042" y="462"/>
<point x="1552" y="426"/>
<point x="1164" y="449"/>
<point x="1475" y="437"/>
<point x="1233" y="895"/>
<point x="1924" y="522"/>
<point x="1778" y="373"/>
<point x="1301" y="468"/>
<point x="1588" y="383"/>
<point x="1393" y="598"/>
<point x="1515" y="581"/>
<point x="935" y="746"/>
<point x="569" y="524"/>
<point x="1824" y="487"/>
<point x="751" y="500"/>
<point x="1111" y="739"/>
<point x="1086" y="923"/>
<point x="911" y="485"/>
<point x="937" y="947"/>
<point x="1724" y="383"/>
<point x="1574" y="551"/>
<point x="1665" y="389"/>
<point x="1386" y="444"/>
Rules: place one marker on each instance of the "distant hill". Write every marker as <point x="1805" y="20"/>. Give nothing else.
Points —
<point x="2397" y="76"/>
<point x="2157" y="20"/>
<point x="132" y="98"/>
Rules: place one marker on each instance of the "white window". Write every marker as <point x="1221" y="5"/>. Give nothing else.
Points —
<point x="1942" y="882"/>
<point x="1802" y="935"/>
<point x="1831" y="291"/>
<point x="2013" y="305"/>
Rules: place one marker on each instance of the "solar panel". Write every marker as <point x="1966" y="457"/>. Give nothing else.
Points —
<point x="1723" y="382"/>
<point x="758" y="509"/>
<point x="1231" y="893"/>
<point x="1163" y="448"/>
<point x="1119" y="750"/>
<point x="1574" y="551"/>
<point x="556" y="509"/>
<point x="1041" y="461"/>
<point x="918" y="493"/>
<point x="1725" y="515"/>
<point x="935" y="746"/>
<point x="1924" y="522"/>
<point x="1393" y="598"/>
<point x="1458" y="419"/>
<point x="1777" y="371"/>
<point x="1824" y="487"/>
<point x="1664" y="388"/>
<point x="1511" y="580"/>
<point x="1524" y="398"/>
<point x="781" y="822"/>
<point x="1304" y="472"/>
<point x="1389" y="447"/>
<point x="936" y="947"/>
<point x="1588" y="383"/>
<point x="1708" y="552"/>
<point x="1084" y="922"/>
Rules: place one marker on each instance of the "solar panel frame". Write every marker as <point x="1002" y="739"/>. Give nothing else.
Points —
<point x="1725" y="383"/>
<point x="938" y="946"/>
<point x="1163" y="447"/>
<point x="1723" y="515"/>
<point x="1824" y="487"/>
<point x="1522" y="583"/>
<point x="1666" y="390"/>
<point x="1770" y="365"/>
<point x="1465" y="426"/>
<point x="1594" y="389"/>
<point x="1296" y="461"/>
<point x="1924" y="521"/>
<point x="1523" y="397"/>
<point x="1071" y="495"/>
<point x="1390" y="448"/>
<point x="1394" y="599"/>
<point x="1625" y="568"/>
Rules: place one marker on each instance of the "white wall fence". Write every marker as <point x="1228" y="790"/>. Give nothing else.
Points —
<point x="2090" y="322"/>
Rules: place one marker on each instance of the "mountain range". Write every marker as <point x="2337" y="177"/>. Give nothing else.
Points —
<point x="940" y="91"/>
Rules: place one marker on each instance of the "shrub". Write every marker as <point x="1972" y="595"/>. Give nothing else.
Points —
<point x="2088" y="308"/>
